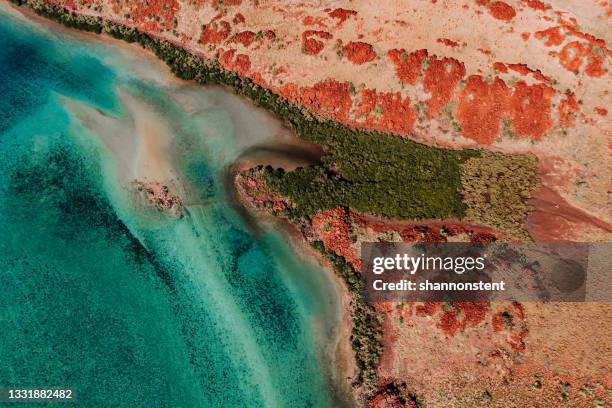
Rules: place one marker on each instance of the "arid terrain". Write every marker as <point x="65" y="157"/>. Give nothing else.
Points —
<point x="524" y="77"/>
<point x="515" y="76"/>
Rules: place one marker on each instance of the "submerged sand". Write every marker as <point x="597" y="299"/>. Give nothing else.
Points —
<point x="142" y="143"/>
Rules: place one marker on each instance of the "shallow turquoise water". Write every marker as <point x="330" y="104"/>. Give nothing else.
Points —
<point x="129" y="306"/>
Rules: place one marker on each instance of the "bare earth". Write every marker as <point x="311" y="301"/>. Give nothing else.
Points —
<point x="515" y="76"/>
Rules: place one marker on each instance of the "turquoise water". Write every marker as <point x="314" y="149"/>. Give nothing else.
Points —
<point x="130" y="306"/>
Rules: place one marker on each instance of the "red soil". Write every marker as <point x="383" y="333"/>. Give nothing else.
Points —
<point x="568" y="109"/>
<point x="240" y="64"/>
<point x="552" y="35"/>
<point x="387" y="399"/>
<point x="342" y="14"/>
<point x="359" y="52"/>
<point x="407" y="66"/>
<point x="215" y="32"/>
<point x="450" y="43"/>
<point x="601" y="111"/>
<point x="480" y="108"/>
<point x="502" y="11"/>
<point x="553" y="219"/>
<point x="330" y="97"/>
<point x="536" y="4"/>
<point x="310" y="46"/>
<point x="441" y="78"/>
<point x="332" y="227"/>
<point x="529" y="109"/>
<point x="245" y="38"/>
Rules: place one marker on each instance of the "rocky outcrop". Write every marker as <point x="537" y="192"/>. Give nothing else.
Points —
<point x="160" y="197"/>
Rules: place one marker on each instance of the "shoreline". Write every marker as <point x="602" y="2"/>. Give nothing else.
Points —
<point x="345" y="368"/>
<point x="346" y="371"/>
<point x="304" y="125"/>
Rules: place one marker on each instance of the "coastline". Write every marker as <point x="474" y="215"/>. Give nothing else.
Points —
<point x="345" y="370"/>
<point x="185" y="66"/>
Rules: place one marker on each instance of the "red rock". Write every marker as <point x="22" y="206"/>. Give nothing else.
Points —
<point x="433" y="236"/>
<point x="239" y="18"/>
<point x="500" y="67"/>
<point x="480" y="108"/>
<point x="241" y="64"/>
<point x="215" y="32"/>
<point x="472" y="313"/>
<point x="529" y="109"/>
<point x="502" y="11"/>
<point x="536" y="4"/>
<point x="332" y="228"/>
<point x="397" y="116"/>
<point x="448" y="42"/>
<point x="245" y="38"/>
<point x="595" y="66"/>
<point x="329" y="97"/>
<point x="497" y="322"/>
<point x="216" y="3"/>
<point x="407" y="66"/>
<point x="448" y="322"/>
<point x="572" y="55"/>
<point x="310" y="46"/>
<point x="441" y="78"/>
<point x="568" y="109"/>
<point x="342" y="14"/>
<point x="410" y="235"/>
<point x="427" y="308"/>
<point x="552" y="35"/>
<point x="359" y="52"/>
<point x="152" y="15"/>
<point x="483" y="237"/>
<point x="452" y="230"/>
<point x="518" y="341"/>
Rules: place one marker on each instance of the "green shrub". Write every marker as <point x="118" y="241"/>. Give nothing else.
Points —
<point x="496" y="187"/>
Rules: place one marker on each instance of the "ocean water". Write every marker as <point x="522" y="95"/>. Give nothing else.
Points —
<point x="102" y="293"/>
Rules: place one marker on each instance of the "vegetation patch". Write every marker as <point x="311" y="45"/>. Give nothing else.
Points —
<point x="375" y="173"/>
<point x="495" y="188"/>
